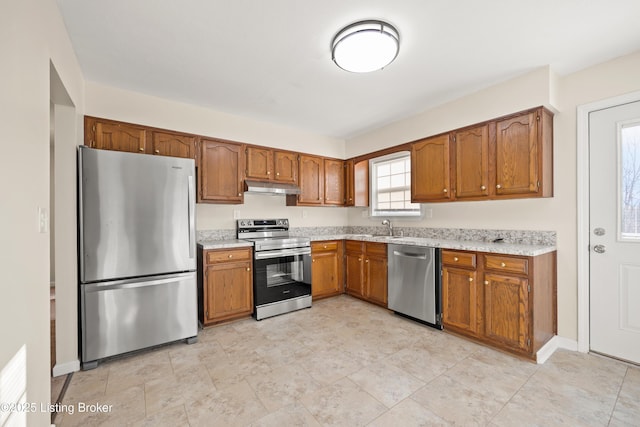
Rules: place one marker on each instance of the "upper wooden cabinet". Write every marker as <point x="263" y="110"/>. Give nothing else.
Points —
<point x="334" y="182"/>
<point x="471" y="162"/>
<point x="321" y="182"/>
<point x="111" y="135"/>
<point x="220" y="172"/>
<point x="509" y="157"/>
<point x="524" y="154"/>
<point x="430" y="172"/>
<point x="173" y="144"/>
<point x="356" y="183"/>
<point x="271" y="165"/>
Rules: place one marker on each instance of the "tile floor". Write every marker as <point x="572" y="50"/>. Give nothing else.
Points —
<point x="346" y="362"/>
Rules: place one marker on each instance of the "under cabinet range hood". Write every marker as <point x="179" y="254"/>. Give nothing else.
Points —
<point x="266" y="187"/>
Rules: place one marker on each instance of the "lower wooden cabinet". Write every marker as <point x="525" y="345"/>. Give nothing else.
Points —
<point x="503" y="300"/>
<point x="366" y="271"/>
<point x="225" y="284"/>
<point x="326" y="268"/>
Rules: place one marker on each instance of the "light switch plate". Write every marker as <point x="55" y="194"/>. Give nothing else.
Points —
<point x="236" y="214"/>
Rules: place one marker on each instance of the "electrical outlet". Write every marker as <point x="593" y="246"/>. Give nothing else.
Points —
<point x="43" y="220"/>
<point x="365" y="213"/>
<point x="236" y="214"/>
<point x="428" y="213"/>
<point x="305" y="213"/>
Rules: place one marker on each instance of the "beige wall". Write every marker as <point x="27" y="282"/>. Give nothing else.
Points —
<point x="102" y="101"/>
<point x="540" y="87"/>
<point x="31" y="35"/>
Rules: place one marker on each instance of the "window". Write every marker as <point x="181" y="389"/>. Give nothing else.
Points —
<point x="391" y="186"/>
<point x="630" y="195"/>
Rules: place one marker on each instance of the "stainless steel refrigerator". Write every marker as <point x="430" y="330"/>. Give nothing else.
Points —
<point x="137" y="252"/>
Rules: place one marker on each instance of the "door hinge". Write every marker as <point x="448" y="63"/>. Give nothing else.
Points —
<point x="538" y="184"/>
<point x="528" y="288"/>
<point x="538" y="117"/>
<point x="453" y="139"/>
<point x="528" y="342"/>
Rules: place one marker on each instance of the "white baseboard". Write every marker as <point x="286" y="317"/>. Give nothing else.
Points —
<point x="552" y="345"/>
<point x="66" y="368"/>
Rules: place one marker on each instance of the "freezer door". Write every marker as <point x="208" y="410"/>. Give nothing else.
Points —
<point x="127" y="315"/>
<point x="136" y="214"/>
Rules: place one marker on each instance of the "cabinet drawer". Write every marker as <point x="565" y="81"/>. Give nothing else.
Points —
<point x="354" y="246"/>
<point x="459" y="259"/>
<point x="324" y="246"/>
<point x="226" y="255"/>
<point x="506" y="263"/>
<point x="373" y="248"/>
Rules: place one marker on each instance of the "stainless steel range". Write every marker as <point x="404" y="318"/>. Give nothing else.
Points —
<point x="281" y="266"/>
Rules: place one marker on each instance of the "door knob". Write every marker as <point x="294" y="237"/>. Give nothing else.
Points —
<point x="599" y="231"/>
<point x="600" y="249"/>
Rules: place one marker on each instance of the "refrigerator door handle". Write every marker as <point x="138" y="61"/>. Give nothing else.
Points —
<point x="192" y="217"/>
<point x="134" y="283"/>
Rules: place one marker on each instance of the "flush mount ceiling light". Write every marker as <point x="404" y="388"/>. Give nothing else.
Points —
<point x="365" y="46"/>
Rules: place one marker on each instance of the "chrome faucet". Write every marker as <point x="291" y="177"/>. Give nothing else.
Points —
<point x="388" y="224"/>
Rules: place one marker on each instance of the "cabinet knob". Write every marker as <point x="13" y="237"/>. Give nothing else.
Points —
<point x="141" y="148"/>
<point x="445" y="190"/>
<point x="482" y="187"/>
<point x="230" y="255"/>
<point x="366" y="260"/>
<point x="471" y="279"/>
<point x="359" y="259"/>
<point x="313" y="260"/>
<point x="248" y="269"/>
<point x="455" y="258"/>
<point x="277" y="173"/>
<point x="486" y="282"/>
<point x="268" y="172"/>
<point x="157" y="151"/>
<point x="239" y="194"/>
<point x="502" y="264"/>
<point x="498" y="186"/>
<point x="324" y="246"/>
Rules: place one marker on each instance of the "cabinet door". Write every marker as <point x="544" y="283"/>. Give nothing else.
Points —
<point x="220" y="172"/>
<point x="349" y="187"/>
<point x="459" y="306"/>
<point x="430" y="170"/>
<point x="472" y="162"/>
<point x="354" y="270"/>
<point x="119" y="137"/>
<point x="228" y="291"/>
<point x="311" y="180"/>
<point x="286" y="166"/>
<point x="506" y="310"/>
<point x="174" y="145"/>
<point x="517" y="161"/>
<point x="376" y="279"/>
<point x="325" y="272"/>
<point x="333" y="182"/>
<point x="259" y="163"/>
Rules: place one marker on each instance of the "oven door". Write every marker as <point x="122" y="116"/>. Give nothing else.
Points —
<point x="282" y="274"/>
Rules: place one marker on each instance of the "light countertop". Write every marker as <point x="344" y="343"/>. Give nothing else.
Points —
<point x="465" y="245"/>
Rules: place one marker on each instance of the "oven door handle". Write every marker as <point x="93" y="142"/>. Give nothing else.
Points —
<point x="282" y="252"/>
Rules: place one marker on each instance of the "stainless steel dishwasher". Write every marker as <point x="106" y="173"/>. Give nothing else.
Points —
<point x="414" y="283"/>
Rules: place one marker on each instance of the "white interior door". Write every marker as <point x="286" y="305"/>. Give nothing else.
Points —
<point x="614" y="168"/>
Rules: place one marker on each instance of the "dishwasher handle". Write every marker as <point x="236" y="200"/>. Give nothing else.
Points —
<point x="410" y="255"/>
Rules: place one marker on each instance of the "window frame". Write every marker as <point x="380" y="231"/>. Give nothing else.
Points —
<point x="374" y="163"/>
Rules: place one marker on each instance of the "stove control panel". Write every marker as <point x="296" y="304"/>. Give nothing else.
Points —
<point x="262" y="224"/>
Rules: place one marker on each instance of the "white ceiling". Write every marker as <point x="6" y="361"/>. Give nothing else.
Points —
<point x="271" y="60"/>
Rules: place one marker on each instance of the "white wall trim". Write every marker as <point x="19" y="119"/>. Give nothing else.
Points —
<point x="552" y="345"/>
<point x="582" y="119"/>
<point x="66" y="368"/>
